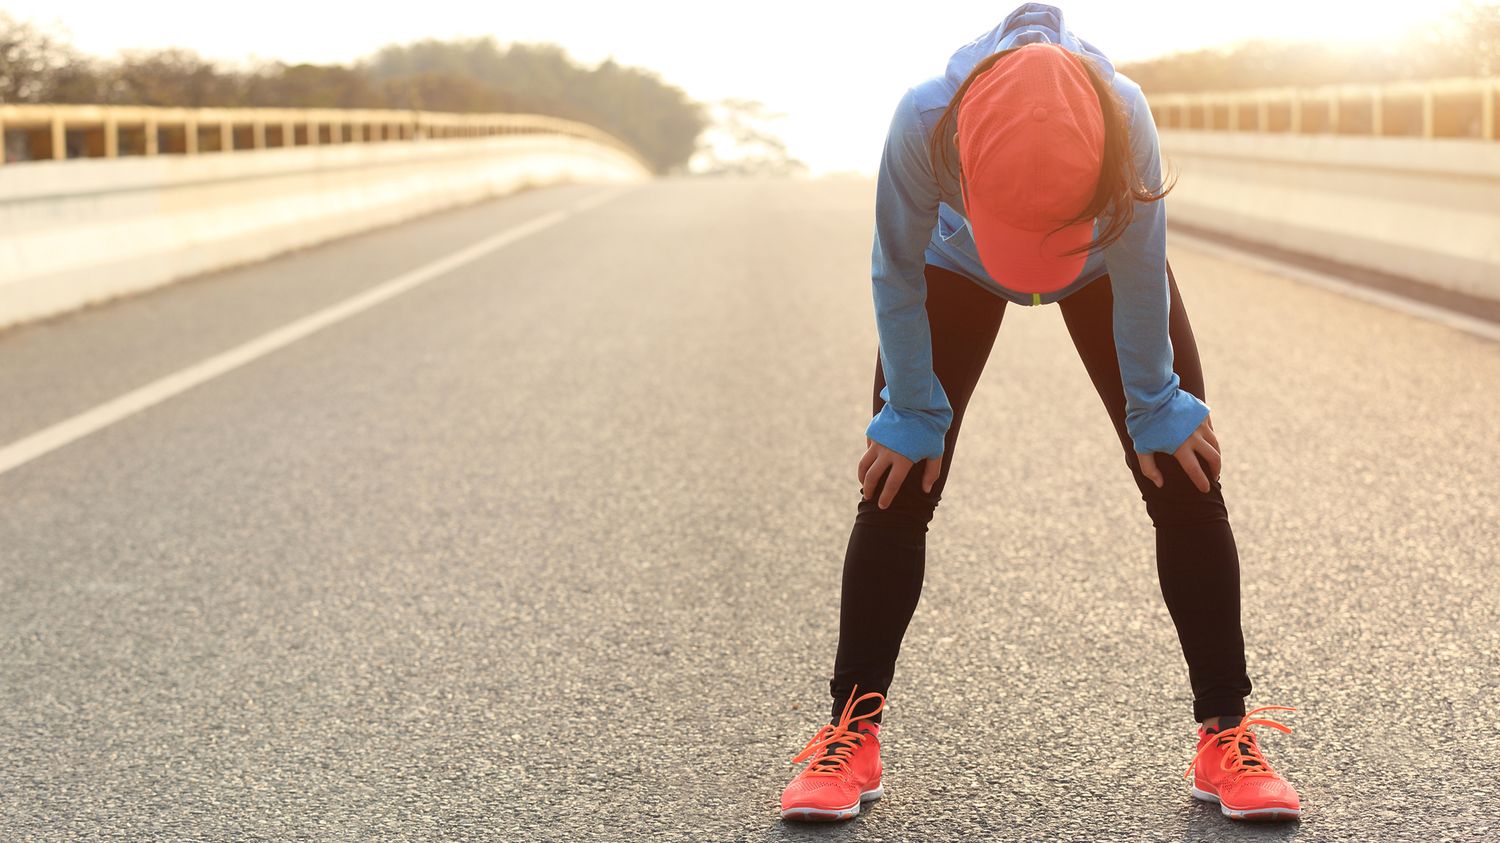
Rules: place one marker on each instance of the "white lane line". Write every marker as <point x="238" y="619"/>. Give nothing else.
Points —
<point x="70" y="430"/>
<point x="1469" y="324"/>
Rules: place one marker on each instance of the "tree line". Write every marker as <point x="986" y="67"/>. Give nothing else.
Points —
<point x="465" y="75"/>
<point x="1465" y="43"/>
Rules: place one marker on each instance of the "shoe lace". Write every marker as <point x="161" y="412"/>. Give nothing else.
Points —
<point x="839" y="739"/>
<point x="1244" y="757"/>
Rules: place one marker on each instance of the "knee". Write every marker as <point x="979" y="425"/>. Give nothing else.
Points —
<point x="912" y="508"/>
<point x="1185" y="505"/>
<point x="1178" y="501"/>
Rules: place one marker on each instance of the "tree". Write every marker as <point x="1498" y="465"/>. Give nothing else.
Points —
<point x="33" y="62"/>
<point x="739" y="141"/>
<point x="1466" y="43"/>
<point x="175" y="77"/>
<point x="1479" y="20"/>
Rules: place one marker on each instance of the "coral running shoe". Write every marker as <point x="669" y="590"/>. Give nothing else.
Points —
<point x="844" y="771"/>
<point x="1229" y="769"/>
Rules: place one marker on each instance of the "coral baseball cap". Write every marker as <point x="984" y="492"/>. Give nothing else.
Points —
<point x="1030" y="148"/>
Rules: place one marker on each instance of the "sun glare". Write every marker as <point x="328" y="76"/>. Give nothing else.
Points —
<point x="833" y="69"/>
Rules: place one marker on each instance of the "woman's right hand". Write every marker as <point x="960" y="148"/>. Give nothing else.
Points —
<point x="874" y="464"/>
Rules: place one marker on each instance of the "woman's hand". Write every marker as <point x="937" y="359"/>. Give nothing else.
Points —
<point x="878" y="458"/>
<point x="1203" y="441"/>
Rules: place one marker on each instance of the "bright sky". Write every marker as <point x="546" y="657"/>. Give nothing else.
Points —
<point x="834" y="68"/>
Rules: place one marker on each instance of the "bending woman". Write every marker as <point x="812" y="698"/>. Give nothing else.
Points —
<point x="1029" y="173"/>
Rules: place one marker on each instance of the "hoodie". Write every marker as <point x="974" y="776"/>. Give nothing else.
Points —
<point x="919" y="219"/>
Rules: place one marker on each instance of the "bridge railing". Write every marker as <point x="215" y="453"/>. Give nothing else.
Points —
<point x="58" y="132"/>
<point x="1432" y="109"/>
<point x="125" y="199"/>
<point x="1399" y="179"/>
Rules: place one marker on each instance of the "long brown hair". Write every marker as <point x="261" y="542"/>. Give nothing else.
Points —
<point x="1120" y="185"/>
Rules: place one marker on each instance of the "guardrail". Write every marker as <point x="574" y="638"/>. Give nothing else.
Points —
<point x="59" y="132"/>
<point x="1426" y="210"/>
<point x="131" y="198"/>
<point x="1432" y="109"/>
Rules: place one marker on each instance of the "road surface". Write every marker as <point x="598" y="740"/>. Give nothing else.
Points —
<point x="547" y="547"/>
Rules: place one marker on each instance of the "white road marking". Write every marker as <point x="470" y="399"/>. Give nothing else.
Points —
<point x="72" y="429"/>
<point x="1478" y="327"/>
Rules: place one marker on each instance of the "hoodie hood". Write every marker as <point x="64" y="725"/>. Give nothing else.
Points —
<point x="1030" y="23"/>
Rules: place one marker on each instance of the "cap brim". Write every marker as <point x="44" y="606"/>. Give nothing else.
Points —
<point x="1030" y="261"/>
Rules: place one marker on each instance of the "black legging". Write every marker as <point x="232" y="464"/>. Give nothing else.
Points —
<point x="1196" y="559"/>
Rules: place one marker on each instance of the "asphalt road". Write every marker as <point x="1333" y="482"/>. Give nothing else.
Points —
<point x="548" y="548"/>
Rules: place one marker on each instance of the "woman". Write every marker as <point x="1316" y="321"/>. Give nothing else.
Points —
<point x="1030" y="173"/>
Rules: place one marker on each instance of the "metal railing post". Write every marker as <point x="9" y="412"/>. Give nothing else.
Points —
<point x="1487" y="109"/>
<point x="59" y="137"/>
<point x="111" y="136"/>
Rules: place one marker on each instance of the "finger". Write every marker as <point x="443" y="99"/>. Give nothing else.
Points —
<point x="1213" y="439"/>
<point x="1210" y="453"/>
<point x="930" y="473"/>
<point x="872" y="476"/>
<point x="866" y="461"/>
<point x="1192" y="468"/>
<point x="1148" y="468"/>
<point x="893" y="483"/>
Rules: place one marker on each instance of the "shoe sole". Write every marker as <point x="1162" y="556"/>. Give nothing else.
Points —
<point x="824" y="815"/>
<point x="1248" y="814"/>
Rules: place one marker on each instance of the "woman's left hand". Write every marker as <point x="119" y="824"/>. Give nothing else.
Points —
<point x="1203" y="441"/>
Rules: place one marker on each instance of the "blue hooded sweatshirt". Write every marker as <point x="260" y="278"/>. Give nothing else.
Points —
<point x="919" y="219"/>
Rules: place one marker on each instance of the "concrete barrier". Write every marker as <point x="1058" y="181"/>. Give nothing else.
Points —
<point x="1428" y="210"/>
<point x="75" y="232"/>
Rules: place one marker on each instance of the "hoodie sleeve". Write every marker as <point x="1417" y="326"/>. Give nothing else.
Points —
<point x="1159" y="414"/>
<point x="916" y="414"/>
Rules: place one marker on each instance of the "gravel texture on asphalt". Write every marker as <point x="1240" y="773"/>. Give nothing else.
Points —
<point x="549" y="549"/>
